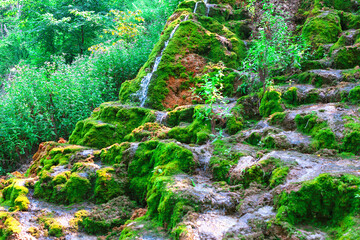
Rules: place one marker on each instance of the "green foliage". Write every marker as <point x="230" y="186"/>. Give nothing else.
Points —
<point x="274" y="49"/>
<point x="14" y="195"/>
<point x="290" y="96"/>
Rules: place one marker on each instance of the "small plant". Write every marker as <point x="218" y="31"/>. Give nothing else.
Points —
<point x="210" y="92"/>
<point x="275" y="48"/>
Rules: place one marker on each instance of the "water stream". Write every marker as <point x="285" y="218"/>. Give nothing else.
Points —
<point x="145" y="82"/>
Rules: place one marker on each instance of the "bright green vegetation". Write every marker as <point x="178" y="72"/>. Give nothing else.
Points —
<point x="110" y="119"/>
<point x="58" y="78"/>
<point x="107" y="216"/>
<point x="327" y="201"/>
<point x="322" y="28"/>
<point x="270" y="103"/>
<point x="222" y="160"/>
<point x="14" y="196"/>
<point x="10" y="226"/>
<point x="52" y="225"/>
<point x="309" y="124"/>
<point x="269" y="173"/>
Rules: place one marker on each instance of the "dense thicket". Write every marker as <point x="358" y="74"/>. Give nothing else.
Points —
<point x="49" y="79"/>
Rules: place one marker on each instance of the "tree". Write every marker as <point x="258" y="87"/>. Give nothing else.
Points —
<point x="274" y="49"/>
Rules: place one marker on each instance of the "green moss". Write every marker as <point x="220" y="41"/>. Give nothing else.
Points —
<point x="270" y="172"/>
<point x="155" y="157"/>
<point x="197" y="132"/>
<point x="351" y="142"/>
<point x="54" y="227"/>
<point x="325" y="138"/>
<point x="110" y="183"/>
<point x="321" y="29"/>
<point x="277" y="118"/>
<point x="77" y="188"/>
<point x="309" y="124"/>
<point x="290" y="96"/>
<point x="14" y="196"/>
<point x="347" y="57"/>
<point x="253" y="139"/>
<point x="349" y="20"/>
<point x="354" y="95"/>
<point x="110" y="124"/>
<point x="114" y="153"/>
<point x="235" y="122"/>
<point x="326" y="201"/>
<point x="223" y="158"/>
<point x="180" y="114"/>
<point x="278" y="176"/>
<point x="270" y="103"/>
<point x="107" y="216"/>
<point x="340" y="43"/>
<point x="9" y="227"/>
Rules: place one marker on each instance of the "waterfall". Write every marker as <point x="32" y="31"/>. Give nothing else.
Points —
<point x="208" y="6"/>
<point x="145" y="82"/>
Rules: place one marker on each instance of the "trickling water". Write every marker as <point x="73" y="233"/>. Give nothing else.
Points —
<point x="144" y="85"/>
<point x="161" y="117"/>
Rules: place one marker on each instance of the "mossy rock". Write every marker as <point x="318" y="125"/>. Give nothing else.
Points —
<point x="351" y="142"/>
<point x="110" y="124"/>
<point x="153" y="158"/>
<point x="107" y="216"/>
<point x="196" y="132"/>
<point x="270" y="103"/>
<point x="269" y="173"/>
<point x="322" y="29"/>
<point x="115" y="153"/>
<point x="309" y="124"/>
<point x="110" y="183"/>
<point x="354" y="95"/>
<point x="347" y="57"/>
<point x="14" y="196"/>
<point x="52" y="225"/>
<point x="10" y="226"/>
<point x="201" y="38"/>
<point x="325" y="201"/>
<point x="325" y="138"/>
<point x="290" y="96"/>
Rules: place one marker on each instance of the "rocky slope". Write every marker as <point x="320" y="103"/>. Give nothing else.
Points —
<point x="287" y="166"/>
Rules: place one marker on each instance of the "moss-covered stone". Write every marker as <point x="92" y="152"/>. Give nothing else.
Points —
<point x="270" y="172"/>
<point x="180" y="114"/>
<point x="270" y="103"/>
<point x="223" y="158"/>
<point x="9" y="226"/>
<point x="290" y="96"/>
<point x="110" y="183"/>
<point x="321" y="29"/>
<point x="107" y="216"/>
<point x="207" y="38"/>
<point x="77" y="188"/>
<point x="114" y="153"/>
<point x="154" y="157"/>
<point x="197" y="132"/>
<point x="309" y="124"/>
<point x="347" y="57"/>
<point x="110" y="124"/>
<point x="354" y="95"/>
<point x="253" y="139"/>
<point x="277" y="118"/>
<point x="14" y="196"/>
<point x="326" y="201"/>
<point x="351" y="142"/>
<point x="52" y="225"/>
<point x="325" y="138"/>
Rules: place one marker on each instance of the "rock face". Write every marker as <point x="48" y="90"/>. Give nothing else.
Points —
<point x="284" y="165"/>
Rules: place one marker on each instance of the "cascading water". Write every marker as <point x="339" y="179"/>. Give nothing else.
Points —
<point x="144" y="86"/>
